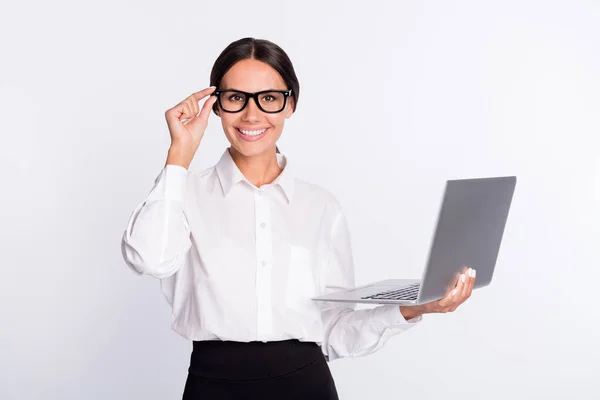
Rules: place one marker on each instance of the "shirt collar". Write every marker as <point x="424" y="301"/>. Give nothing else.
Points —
<point x="230" y="175"/>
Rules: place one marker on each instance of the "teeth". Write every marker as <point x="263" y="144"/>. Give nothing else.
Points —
<point x="252" y="133"/>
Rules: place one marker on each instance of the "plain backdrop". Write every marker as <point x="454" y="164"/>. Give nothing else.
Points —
<point x="396" y="97"/>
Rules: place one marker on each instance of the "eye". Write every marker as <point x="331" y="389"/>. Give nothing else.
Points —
<point x="235" y="97"/>
<point x="268" y="98"/>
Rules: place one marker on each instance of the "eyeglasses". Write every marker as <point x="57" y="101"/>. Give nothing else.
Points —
<point x="269" y="101"/>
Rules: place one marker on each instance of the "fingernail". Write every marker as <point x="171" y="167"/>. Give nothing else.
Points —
<point x="454" y="292"/>
<point x="471" y="272"/>
<point x="474" y="273"/>
<point x="463" y="278"/>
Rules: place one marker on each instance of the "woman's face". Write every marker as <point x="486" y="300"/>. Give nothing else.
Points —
<point x="251" y="76"/>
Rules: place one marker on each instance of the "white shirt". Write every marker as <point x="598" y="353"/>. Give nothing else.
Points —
<point x="240" y="262"/>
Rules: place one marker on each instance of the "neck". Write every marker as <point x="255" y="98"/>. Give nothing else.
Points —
<point x="260" y="169"/>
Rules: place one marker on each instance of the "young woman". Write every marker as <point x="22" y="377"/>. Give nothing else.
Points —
<point x="241" y="247"/>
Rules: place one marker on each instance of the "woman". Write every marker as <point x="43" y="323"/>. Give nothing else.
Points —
<point x="241" y="247"/>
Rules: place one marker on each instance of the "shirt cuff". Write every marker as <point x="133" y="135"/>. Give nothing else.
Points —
<point x="171" y="184"/>
<point x="391" y="314"/>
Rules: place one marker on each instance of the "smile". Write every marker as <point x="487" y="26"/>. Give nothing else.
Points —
<point x="252" y="133"/>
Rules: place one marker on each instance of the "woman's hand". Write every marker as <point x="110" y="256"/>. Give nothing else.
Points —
<point x="187" y="125"/>
<point x="455" y="297"/>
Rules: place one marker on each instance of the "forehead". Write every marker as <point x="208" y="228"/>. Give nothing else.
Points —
<point x="252" y="76"/>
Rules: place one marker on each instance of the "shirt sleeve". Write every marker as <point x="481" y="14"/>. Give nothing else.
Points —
<point x="350" y="332"/>
<point x="157" y="237"/>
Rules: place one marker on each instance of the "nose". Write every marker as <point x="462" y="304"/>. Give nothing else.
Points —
<point x="251" y="113"/>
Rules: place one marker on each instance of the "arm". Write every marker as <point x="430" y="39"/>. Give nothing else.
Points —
<point x="157" y="237"/>
<point x="158" y="234"/>
<point x="350" y="332"/>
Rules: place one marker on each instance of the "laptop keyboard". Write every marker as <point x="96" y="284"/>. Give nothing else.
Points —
<point x="406" y="293"/>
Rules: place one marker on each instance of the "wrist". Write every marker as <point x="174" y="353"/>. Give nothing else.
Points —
<point x="179" y="155"/>
<point x="410" y="312"/>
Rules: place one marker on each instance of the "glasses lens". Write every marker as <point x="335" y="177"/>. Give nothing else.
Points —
<point x="271" y="101"/>
<point x="232" y="101"/>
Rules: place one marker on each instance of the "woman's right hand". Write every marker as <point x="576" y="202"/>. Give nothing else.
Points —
<point x="187" y="127"/>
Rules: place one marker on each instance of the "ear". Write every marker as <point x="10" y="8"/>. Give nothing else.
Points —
<point x="289" y="108"/>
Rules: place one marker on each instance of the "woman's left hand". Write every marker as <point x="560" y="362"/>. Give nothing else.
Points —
<point x="455" y="297"/>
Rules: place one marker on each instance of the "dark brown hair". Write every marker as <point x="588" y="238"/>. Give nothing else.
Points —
<point x="261" y="50"/>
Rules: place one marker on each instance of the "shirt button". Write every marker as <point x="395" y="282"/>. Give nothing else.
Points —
<point x="262" y="225"/>
<point x="263" y="263"/>
<point x="263" y="306"/>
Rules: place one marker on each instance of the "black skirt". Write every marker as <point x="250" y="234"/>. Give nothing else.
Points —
<point x="287" y="369"/>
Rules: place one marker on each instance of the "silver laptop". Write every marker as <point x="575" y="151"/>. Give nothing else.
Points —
<point x="469" y="231"/>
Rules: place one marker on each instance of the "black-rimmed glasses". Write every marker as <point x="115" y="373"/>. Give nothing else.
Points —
<point x="269" y="101"/>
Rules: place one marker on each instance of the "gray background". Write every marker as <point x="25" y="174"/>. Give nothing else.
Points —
<point x="396" y="97"/>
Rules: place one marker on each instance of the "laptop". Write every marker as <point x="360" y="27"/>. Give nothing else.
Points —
<point x="468" y="233"/>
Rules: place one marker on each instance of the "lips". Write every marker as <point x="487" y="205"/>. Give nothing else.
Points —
<point x="252" y="132"/>
<point x="252" y="135"/>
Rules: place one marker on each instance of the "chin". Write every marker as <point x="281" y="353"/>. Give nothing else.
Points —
<point x="251" y="149"/>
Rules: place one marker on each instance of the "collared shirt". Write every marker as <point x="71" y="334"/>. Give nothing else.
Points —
<point x="239" y="262"/>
